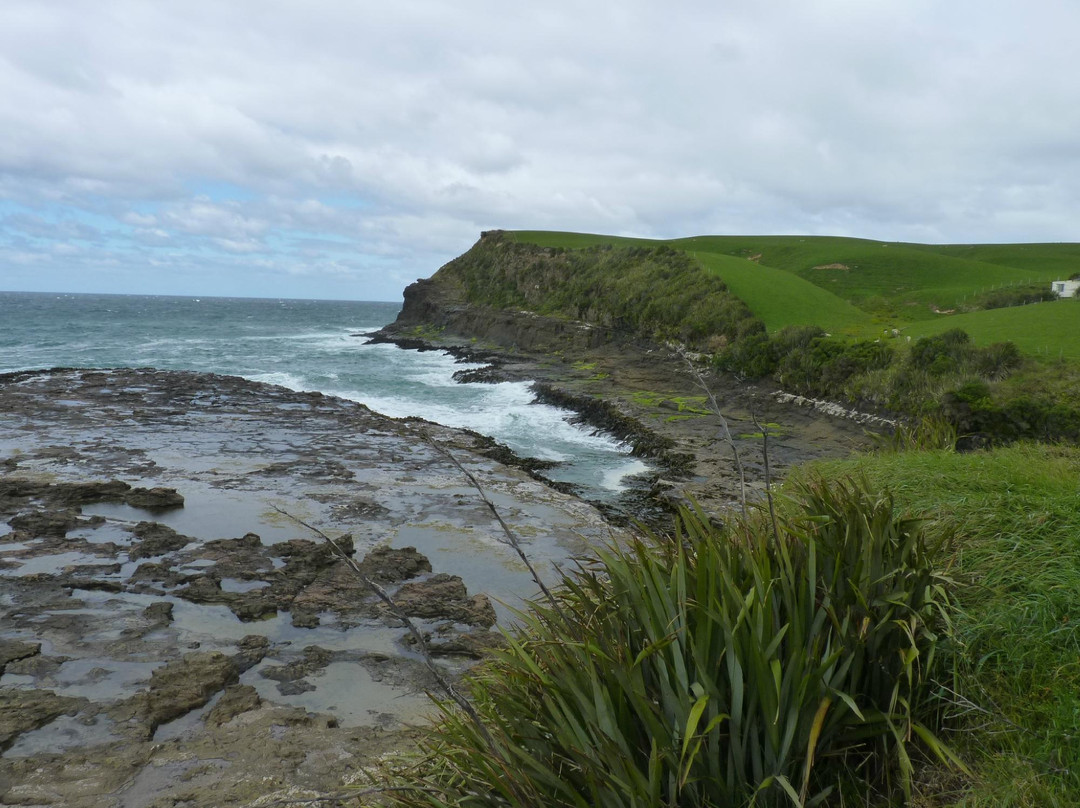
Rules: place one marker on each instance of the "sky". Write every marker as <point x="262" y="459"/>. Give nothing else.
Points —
<point x="342" y="149"/>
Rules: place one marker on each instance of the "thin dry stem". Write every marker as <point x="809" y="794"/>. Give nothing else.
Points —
<point x="345" y="796"/>
<point x="511" y="538"/>
<point x="768" y="475"/>
<point x="725" y="432"/>
<point x="421" y="643"/>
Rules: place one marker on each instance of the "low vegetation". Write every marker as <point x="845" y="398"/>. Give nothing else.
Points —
<point x="790" y="658"/>
<point x="861" y="288"/>
<point x="1015" y="717"/>
<point x="962" y="333"/>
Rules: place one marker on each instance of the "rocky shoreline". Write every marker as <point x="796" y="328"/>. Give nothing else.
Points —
<point x="168" y="636"/>
<point x="653" y="396"/>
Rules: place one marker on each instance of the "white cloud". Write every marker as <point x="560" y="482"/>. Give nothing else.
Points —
<point x="373" y="141"/>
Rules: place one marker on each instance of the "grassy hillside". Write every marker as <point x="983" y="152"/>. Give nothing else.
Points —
<point x="781" y="299"/>
<point x="690" y="671"/>
<point x="1059" y="260"/>
<point x="651" y="290"/>
<point x="901" y="281"/>
<point x="860" y="287"/>
<point x="1044" y="329"/>
<point x="1017" y="637"/>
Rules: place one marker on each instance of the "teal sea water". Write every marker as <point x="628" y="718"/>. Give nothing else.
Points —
<point x="304" y="345"/>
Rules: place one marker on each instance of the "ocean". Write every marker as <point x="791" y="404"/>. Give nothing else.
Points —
<point x="311" y="345"/>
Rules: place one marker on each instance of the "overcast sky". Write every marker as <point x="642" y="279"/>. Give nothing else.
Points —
<point x="344" y="149"/>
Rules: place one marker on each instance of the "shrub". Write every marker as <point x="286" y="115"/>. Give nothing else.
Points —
<point x="760" y="664"/>
<point x="753" y="356"/>
<point x="941" y="353"/>
<point x="1015" y="296"/>
<point x="998" y="360"/>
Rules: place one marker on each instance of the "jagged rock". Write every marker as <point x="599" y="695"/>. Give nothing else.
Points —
<point x="244" y="558"/>
<point x="25" y="710"/>
<point x="13" y="650"/>
<point x="252" y="649"/>
<point x="295" y="688"/>
<point x="291" y="677"/>
<point x="445" y="597"/>
<point x="302" y="552"/>
<point x="388" y="565"/>
<point x="156" y="539"/>
<point x="253" y="606"/>
<point x="489" y="374"/>
<point x="226" y="547"/>
<point x="448" y="641"/>
<point x="235" y="700"/>
<point x="302" y="618"/>
<point x="37" y="665"/>
<point x="338" y="589"/>
<point x="175" y="689"/>
<point x="45" y="524"/>
<point x="156" y="573"/>
<point x="160" y="612"/>
<point x="205" y="589"/>
<point x="154" y="499"/>
<point x="314" y="658"/>
<point x="21" y="487"/>
<point x="75" y="494"/>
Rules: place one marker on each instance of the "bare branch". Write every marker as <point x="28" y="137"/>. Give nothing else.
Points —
<point x="768" y="475"/>
<point x="343" y="796"/>
<point x="511" y="539"/>
<point x="725" y="432"/>
<point x="421" y="643"/>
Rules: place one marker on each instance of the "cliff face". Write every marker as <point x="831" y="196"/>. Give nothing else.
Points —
<point x="426" y="306"/>
<point x="442" y="302"/>
<point x="546" y="299"/>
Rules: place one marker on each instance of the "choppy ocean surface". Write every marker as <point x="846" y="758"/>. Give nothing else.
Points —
<point x="304" y="345"/>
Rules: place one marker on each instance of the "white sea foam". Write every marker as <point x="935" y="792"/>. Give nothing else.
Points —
<point x="615" y="479"/>
<point x="304" y="346"/>
<point x="289" y="380"/>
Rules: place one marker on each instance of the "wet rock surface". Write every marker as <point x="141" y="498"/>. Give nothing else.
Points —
<point x="170" y="634"/>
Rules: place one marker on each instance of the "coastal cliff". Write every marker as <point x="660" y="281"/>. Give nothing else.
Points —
<point x="534" y="298"/>
<point x="607" y="332"/>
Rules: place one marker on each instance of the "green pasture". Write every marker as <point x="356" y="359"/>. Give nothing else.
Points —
<point x="579" y="241"/>
<point x="780" y="298"/>
<point x="903" y="282"/>
<point x="1047" y="329"/>
<point x="857" y="287"/>
<point x="1016" y="564"/>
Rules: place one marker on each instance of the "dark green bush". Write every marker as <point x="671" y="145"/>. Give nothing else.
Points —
<point x="753" y="356"/>
<point x="715" y="668"/>
<point x="1016" y="296"/>
<point x="825" y="365"/>
<point x="941" y="353"/>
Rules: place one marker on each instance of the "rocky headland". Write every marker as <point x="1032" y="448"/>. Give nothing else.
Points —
<point x="655" y="394"/>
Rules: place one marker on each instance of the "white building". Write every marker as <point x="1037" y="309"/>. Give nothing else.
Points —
<point x="1065" y="288"/>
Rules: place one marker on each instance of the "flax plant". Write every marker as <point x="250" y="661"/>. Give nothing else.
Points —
<point x="765" y="663"/>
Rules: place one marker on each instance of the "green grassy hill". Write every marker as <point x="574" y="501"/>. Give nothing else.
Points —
<point x="860" y="287"/>
<point x="781" y="298"/>
<point x="1044" y="329"/>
